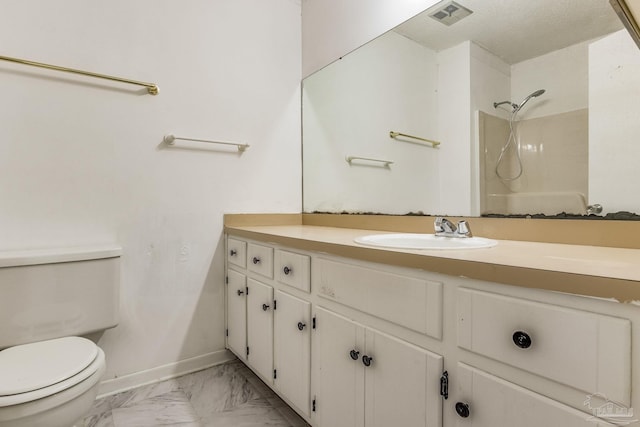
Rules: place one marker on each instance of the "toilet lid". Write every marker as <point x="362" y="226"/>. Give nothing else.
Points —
<point x="29" y="367"/>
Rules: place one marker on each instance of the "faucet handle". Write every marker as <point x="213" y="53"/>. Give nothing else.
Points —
<point x="464" y="229"/>
<point x="443" y="225"/>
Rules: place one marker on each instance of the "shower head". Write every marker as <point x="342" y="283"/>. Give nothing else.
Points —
<point x="517" y="107"/>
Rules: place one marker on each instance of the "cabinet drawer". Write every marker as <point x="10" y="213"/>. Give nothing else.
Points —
<point x="588" y="351"/>
<point x="237" y="252"/>
<point x="260" y="259"/>
<point x="407" y="301"/>
<point x="494" y="402"/>
<point x="293" y="269"/>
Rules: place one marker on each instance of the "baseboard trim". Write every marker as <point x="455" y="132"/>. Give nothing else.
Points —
<point x="164" y="372"/>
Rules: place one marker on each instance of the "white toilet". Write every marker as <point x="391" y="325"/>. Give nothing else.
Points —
<point x="48" y="375"/>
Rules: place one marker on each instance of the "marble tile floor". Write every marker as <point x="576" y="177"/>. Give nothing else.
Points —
<point x="222" y="396"/>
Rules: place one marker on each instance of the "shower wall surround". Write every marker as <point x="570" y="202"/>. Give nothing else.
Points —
<point x="82" y="161"/>
<point x="554" y="154"/>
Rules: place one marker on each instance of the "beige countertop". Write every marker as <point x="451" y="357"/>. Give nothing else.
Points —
<point x="585" y="270"/>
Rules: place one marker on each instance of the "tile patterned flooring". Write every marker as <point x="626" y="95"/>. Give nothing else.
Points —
<point x="221" y="396"/>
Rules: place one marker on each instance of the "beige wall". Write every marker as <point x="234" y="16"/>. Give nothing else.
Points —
<point x="554" y="154"/>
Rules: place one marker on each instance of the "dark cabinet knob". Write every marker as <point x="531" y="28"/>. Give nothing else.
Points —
<point x="240" y="292"/>
<point x="265" y="307"/>
<point x="354" y="354"/>
<point x="366" y="360"/>
<point x="521" y="339"/>
<point x="233" y="252"/>
<point x="301" y="326"/>
<point x="256" y="260"/>
<point x="286" y="270"/>
<point x="462" y="409"/>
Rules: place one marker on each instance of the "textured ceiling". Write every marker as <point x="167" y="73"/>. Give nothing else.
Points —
<point x="516" y="30"/>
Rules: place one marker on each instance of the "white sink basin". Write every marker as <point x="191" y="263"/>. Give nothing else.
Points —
<point x="424" y="241"/>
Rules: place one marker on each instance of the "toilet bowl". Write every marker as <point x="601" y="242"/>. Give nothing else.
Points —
<point x="50" y="383"/>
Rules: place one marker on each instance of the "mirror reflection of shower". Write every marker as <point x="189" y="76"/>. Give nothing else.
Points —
<point x="512" y="141"/>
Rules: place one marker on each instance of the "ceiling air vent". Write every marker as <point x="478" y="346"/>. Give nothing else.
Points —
<point x="449" y="12"/>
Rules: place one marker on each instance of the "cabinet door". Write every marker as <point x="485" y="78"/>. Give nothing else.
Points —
<point x="402" y="383"/>
<point x="260" y="328"/>
<point x="292" y="348"/>
<point x="237" y="313"/>
<point x="493" y="402"/>
<point x="337" y="377"/>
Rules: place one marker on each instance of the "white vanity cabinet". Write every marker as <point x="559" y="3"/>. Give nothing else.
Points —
<point x="268" y="327"/>
<point x="352" y="343"/>
<point x="363" y="377"/>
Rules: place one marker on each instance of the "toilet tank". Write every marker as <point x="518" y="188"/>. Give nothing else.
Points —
<point x="53" y="293"/>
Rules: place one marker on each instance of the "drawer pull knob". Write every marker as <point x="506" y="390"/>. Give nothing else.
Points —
<point x="366" y="360"/>
<point x="256" y="260"/>
<point x="301" y="326"/>
<point x="233" y="252"/>
<point x="521" y="339"/>
<point x="240" y="292"/>
<point x="286" y="270"/>
<point x="462" y="409"/>
<point x="354" y="354"/>
<point x="265" y="307"/>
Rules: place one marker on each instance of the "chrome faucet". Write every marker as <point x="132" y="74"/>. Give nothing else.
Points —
<point x="444" y="227"/>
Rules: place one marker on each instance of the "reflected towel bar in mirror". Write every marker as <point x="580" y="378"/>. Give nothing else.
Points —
<point x="152" y="88"/>
<point x="394" y="135"/>
<point x="385" y="163"/>
<point x="170" y="139"/>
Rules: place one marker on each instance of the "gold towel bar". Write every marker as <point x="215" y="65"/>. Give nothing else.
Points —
<point x="152" y="88"/>
<point x="393" y="134"/>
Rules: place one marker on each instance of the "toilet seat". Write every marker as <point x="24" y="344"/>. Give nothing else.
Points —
<point x="37" y="370"/>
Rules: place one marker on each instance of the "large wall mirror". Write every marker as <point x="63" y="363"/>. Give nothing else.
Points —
<point x="491" y="107"/>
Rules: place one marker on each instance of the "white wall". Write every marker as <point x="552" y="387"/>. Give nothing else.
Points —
<point x="562" y="73"/>
<point x="454" y="130"/>
<point x="614" y="122"/>
<point x="349" y="108"/>
<point x="82" y="160"/>
<point x="333" y="28"/>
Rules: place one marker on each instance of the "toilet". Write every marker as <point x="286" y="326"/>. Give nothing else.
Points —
<point x="49" y="373"/>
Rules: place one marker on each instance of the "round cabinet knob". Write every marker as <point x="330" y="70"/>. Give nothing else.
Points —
<point x="240" y="292"/>
<point x="354" y="354"/>
<point x="265" y="307"/>
<point x="366" y="360"/>
<point x="521" y="339"/>
<point x="256" y="260"/>
<point x="462" y="409"/>
<point x="286" y="270"/>
<point x="233" y="252"/>
<point x="301" y="326"/>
